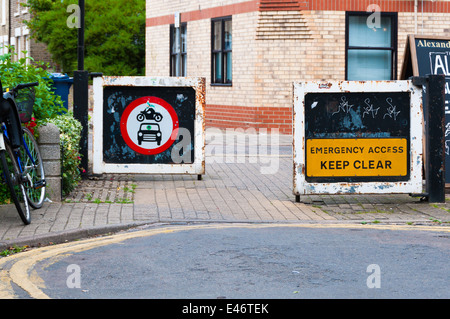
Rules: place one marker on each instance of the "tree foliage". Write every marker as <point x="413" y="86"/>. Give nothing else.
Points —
<point x="114" y="34"/>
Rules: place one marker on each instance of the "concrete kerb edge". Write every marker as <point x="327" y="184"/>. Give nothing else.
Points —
<point x="83" y="233"/>
<point x="79" y="234"/>
<point x="67" y="236"/>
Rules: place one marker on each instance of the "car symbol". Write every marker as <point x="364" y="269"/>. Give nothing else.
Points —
<point x="149" y="132"/>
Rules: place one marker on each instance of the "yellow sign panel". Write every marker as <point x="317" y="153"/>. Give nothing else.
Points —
<point x="356" y="157"/>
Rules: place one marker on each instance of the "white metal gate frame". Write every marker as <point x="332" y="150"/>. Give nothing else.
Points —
<point x="413" y="185"/>
<point x="195" y="168"/>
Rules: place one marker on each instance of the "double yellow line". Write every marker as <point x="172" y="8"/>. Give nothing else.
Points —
<point x="19" y="268"/>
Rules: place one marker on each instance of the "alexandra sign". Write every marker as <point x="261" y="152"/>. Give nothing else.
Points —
<point x="430" y="55"/>
<point x="433" y="44"/>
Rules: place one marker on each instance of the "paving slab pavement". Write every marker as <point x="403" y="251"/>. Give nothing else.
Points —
<point x="236" y="188"/>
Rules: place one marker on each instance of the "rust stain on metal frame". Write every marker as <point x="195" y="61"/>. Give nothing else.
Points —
<point x="200" y="93"/>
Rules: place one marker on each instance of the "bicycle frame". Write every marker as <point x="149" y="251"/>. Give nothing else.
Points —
<point x="3" y="135"/>
<point x="28" y="152"/>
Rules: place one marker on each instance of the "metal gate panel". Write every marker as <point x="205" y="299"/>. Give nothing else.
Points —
<point x="342" y="121"/>
<point x="149" y="125"/>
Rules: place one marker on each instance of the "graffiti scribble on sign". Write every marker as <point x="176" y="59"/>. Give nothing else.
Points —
<point x="370" y="110"/>
<point x="344" y="106"/>
<point x="391" y="110"/>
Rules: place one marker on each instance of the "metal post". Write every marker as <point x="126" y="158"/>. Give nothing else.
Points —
<point x="81" y="93"/>
<point x="80" y="112"/>
<point x="435" y="137"/>
<point x="81" y="4"/>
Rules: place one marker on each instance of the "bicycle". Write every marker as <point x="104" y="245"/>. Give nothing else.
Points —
<point x="20" y="158"/>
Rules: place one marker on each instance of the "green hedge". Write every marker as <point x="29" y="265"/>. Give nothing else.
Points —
<point x="70" y="134"/>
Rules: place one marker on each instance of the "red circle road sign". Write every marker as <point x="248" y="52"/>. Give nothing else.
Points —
<point x="149" y="125"/>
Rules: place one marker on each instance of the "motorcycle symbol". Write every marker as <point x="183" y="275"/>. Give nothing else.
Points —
<point x="150" y="114"/>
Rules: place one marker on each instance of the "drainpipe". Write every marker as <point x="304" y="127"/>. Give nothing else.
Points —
<point x="415" y="15"/>
<point x="9" y="22"/>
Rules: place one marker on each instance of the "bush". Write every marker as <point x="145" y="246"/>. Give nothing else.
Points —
<point x="70" y="134"/>
<point x="47" y="104"/>
<point x="47" y="108"/>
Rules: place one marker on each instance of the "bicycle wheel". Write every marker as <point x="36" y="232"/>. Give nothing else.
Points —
<point x="12" y="177"/>
<point x="33" y="170"/>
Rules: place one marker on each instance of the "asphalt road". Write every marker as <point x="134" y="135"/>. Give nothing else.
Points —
<point x="244" y="262"/>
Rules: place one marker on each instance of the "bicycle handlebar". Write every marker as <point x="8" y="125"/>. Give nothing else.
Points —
<point x="18" y="87"/>
<point x="25" y="85"/>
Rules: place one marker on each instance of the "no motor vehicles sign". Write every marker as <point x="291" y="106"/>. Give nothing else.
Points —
<point x="149" y="125"/>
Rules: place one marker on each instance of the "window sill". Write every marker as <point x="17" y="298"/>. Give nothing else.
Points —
<point x="222" y="84"/>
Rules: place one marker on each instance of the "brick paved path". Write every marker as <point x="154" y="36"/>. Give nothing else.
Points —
<point x="232" y="190"/>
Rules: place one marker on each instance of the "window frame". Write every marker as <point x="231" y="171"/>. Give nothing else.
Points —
<point x="222" y="50"/>
<point x="3" y="14"/>
<point x="394" y="40"/>
<point x="183" y="53"/>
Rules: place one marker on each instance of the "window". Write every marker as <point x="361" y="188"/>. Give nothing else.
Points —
<point x="26" y="40"/>
<point x="221" y="38"/>
<point x="371" y="52"/>
<point x="3" y="12"/>
<point x="178" y="54"/>
<point x="18" y="9"/>
<point x="24" y="9"/>
<point x="19" y="48"/>
<point x="18" y="43"/>
<point x="4" y="44"/>
<point x="13" y="43"/>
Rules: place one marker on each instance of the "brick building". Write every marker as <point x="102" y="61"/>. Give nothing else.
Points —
<point x="251" y="51"/>
<point x="14" y="32"/>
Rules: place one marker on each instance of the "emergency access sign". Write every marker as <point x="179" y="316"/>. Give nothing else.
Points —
<point x="357" y="137"/>
<point x="356" y="157"/>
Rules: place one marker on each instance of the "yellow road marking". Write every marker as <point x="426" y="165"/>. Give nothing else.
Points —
<point x="23" y="263"/>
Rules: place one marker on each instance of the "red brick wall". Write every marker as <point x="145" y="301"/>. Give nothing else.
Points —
<point x="228" y="116"/>
<point x="352" y="5"/>
<point x="283" y="5"/>
<point x="386" y="5"/>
